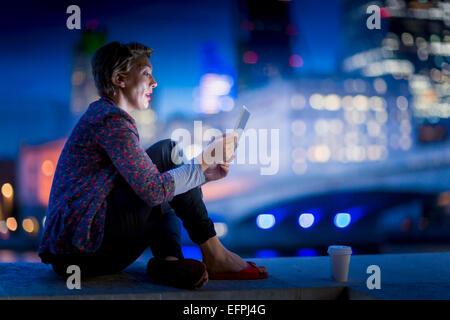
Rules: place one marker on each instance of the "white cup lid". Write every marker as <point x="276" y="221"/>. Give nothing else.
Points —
<point x="339" y="250"/>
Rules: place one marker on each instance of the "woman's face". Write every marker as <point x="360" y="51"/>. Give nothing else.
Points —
<point x="139" y="84"/>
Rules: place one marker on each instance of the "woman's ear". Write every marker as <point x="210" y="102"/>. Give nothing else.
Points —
<point x="118" y="80"/>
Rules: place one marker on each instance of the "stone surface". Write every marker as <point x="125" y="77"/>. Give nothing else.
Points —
<point x="403" y="276"/>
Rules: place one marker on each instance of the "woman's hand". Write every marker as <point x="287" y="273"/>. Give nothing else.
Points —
<point x="216" y="157"/>
<point x="217" y="171"/>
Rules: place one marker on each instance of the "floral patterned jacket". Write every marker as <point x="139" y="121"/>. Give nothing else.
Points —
<point x="104" y="142"/>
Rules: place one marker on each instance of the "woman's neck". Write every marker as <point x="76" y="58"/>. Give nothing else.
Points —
<point x="121" y="102"/>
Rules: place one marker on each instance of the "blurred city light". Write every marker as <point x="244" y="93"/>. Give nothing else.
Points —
<point x="298" y="127"/>
<point x="47" y="168"/>
<point x="221" y="229"/>
<point x="213" y="93"/>
<point x="78" y="78"/>
<point x="266" y="253"/>
<point x="299" y="167"/>
<point x="316" y="101"/>
<point x="30" y="225"/>
<point x="342" y="220"/>
<point x="3" y="228"/>
<point x="11" y="223"/>
<point x="217" y="85"/>
<point x="380" y="86"/>
<point x="7" y="190"/>
<point x="4" y="233"/>
<point x="250" y="57"/>
<point x="307" y="252"/>
<point x="444" y="199"/>
<point x="306" y="220"/>
<point x="296" y="61"/>
<point x="265" y="221"/>
<point x="7" y="255"/>
<point x="298" y="101"/>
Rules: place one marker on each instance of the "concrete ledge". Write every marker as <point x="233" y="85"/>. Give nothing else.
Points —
<point x="403" y="276"/>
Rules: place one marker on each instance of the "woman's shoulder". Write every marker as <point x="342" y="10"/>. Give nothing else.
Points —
<point x="103" y="110"/>
<point x="102" y="115"/>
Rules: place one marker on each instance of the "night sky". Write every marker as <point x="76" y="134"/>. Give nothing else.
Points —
<point x="37" y="48"/>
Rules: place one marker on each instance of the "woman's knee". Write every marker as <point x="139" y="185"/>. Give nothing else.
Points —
<point x="162" y="145"/>
<point x="166" y="154"/>
<point x="172" y="223"/>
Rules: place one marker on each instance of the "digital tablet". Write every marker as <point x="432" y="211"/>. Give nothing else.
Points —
<point x="241" y="122"/>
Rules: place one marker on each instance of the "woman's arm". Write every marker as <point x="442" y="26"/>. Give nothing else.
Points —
<point x="117" y="137"/>
<point x="188" y="176"/>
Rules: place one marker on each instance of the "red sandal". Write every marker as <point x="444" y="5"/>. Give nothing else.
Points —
<point x="251" y="272"/>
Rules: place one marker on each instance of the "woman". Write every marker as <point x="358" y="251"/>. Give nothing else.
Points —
<point x="110" y="199"/>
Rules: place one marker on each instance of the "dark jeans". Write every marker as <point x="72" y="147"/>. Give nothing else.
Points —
<point x="131" y="225"/>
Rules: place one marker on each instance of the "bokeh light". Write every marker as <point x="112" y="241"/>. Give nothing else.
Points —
<point x="47" y="168"/>
<point x="30" y="225"/>
<point x="295" y="61"/>
<point x="221" y="229"/>
<point x="307" y="252"/>
<point x="250" y="57"/>
<point x="306" y="220"/>
<point x="11" y="223"/>
<point x="316" y="101"/>
<point x="342" y="220"/>
<point x="265" y="221"/>
<point x="298" y="101"/>
<point x="7" y="190"/>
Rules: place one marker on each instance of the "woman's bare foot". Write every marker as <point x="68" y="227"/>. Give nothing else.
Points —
<point x="218" y="259"/>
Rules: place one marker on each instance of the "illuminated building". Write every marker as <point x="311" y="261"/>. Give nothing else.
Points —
<point x="413" y="44"/>
<point x="216" y="91"/>
<point x="37" y="165"/>
<point x="347" y="120"/>
<point x="8" y="203"/>
<point x="264" y="50"/>
<point x="83" y="87"/>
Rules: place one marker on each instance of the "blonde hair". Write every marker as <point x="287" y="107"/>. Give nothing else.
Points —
<point x="115" y="58"/>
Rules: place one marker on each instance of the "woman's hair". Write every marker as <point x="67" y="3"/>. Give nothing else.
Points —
<point x="115" y="58"/>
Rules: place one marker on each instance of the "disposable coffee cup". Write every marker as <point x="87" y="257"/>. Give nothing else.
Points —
<point x="340" y="262"/>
